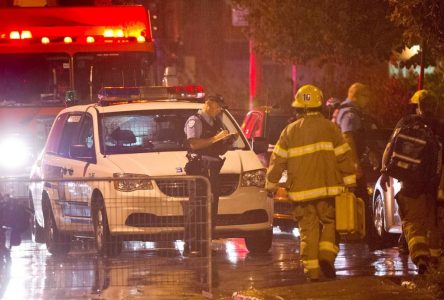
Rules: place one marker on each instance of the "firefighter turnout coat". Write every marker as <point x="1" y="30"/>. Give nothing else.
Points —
<point x="317" y="159"/>
<point x="319" y="165"/>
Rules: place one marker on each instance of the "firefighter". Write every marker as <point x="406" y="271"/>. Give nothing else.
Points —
<point x="417" y="201"/>
<point x="207" y="140"/>
<point x="403" y="248"/>
<point x="319" y="166"/>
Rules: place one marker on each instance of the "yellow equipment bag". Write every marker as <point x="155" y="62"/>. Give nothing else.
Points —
<point x="350" y="216"/>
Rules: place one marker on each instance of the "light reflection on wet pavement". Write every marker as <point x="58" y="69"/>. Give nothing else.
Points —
<point x="147" y="271"/>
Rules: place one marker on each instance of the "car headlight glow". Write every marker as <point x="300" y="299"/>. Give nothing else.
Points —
<point x="14" y="153"/>
<point x="254" y="178"/>
<point x="132" y="182"/>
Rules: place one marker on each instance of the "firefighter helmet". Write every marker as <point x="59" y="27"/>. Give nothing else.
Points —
<point x="427" y="102"/>
<point x="418" y="95"/>
<point x="308" y="96"/>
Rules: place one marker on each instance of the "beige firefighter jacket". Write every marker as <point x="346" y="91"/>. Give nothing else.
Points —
<point x="317" y="159"/>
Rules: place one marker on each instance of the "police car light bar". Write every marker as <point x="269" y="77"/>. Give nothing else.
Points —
<point x="124" y="95"/>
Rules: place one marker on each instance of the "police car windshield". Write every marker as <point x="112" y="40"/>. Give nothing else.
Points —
<point x="148" y="131"/>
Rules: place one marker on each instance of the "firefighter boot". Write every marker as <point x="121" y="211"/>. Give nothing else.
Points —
<point x="422" y="262"/>
<point x="328" y="269"/>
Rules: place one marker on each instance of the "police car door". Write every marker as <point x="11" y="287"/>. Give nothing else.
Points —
<point x="76" y="149"/>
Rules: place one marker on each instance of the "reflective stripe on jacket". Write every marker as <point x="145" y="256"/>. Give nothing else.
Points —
<point x="317" y="159"/>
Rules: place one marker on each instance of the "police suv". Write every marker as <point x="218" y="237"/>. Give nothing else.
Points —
<point x="130" y="135"/>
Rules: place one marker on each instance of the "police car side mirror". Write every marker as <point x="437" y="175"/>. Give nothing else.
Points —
<point x="71" y="98"/>
<point x="259" y="145"/>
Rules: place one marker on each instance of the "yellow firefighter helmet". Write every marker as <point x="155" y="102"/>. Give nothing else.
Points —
<point x="419" y="95"/>
<point x="427" y="102"/>
<point x="308" y="96"/>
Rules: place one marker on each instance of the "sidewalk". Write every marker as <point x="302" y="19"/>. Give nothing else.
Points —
<point x="368" y="287"/>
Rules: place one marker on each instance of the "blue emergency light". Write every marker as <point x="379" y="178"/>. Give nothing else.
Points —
<point x="123" y="95"/>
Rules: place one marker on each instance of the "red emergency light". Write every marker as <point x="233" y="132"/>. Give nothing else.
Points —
<point x="49" y="25"/>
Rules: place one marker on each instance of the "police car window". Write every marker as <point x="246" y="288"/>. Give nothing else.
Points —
<point x="85" y="136"/>
<point x="144" y="131"/>
<point x="56" y="134"/>
<point x="148" y="131"/>
<point x="70" y="131"/>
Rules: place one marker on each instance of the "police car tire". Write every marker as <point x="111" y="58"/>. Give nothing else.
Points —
<point x="260" y="242"/>
<point x="106" y="244"/>
<point x="377" y="237"/>
<point x="56" y="242"/>
<point x="378" y="218"/>
<point x="37" y="232"/>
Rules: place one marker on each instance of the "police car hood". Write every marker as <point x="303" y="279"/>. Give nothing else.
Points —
<point x="173" y="163"/>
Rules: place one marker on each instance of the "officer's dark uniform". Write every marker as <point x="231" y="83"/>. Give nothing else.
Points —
<point x="205" y="162"/>
<point x="351" y="118"/>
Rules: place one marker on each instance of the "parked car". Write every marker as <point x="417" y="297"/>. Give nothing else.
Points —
<point x="125" y="139"/>
<point x="266" y="124"/>
<point x="385" y="213"/>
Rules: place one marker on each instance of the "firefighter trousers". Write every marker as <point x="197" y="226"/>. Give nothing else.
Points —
<point x="420" y="226"/>
<point x="317" y="228"/>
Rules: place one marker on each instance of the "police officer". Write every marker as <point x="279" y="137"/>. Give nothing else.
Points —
<point x="355" y="125"/>
<point x="417" y="201"/>
<point x="350" y="120"/>
<point x="207" y="141"/>
<point x="319" y="166"/>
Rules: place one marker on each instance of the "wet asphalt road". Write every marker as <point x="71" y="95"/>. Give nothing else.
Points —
<point x="154" y="271"/>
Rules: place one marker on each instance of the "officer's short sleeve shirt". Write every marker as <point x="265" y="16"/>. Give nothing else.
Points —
<point x="193" y="127"/>
<point x="348" y="120"/>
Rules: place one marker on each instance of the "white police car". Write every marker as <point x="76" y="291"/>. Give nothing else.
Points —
<point x="137" y="133"/>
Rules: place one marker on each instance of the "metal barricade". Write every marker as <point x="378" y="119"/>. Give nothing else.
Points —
<point x="152" y="234"/>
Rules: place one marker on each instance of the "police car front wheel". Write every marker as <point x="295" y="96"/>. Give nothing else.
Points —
<point x="57" y="243"/>
<point x="106" y="244"/>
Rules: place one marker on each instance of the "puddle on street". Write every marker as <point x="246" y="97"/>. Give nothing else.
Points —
<point x="158" y="270"/>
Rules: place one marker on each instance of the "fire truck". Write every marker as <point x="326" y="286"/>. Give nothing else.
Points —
<point x="50" y="56"/>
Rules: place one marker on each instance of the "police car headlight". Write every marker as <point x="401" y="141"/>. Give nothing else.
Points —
<point x="126" y="182"/>
<point x="254" y="178"/>
<point x="15" y="153"/>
